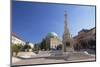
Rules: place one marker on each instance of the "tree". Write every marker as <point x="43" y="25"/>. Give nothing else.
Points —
<point x="27" y="47"/>
<point x="36" y="48"/>
<point x="16" y="48"/>
<point x="44" y="45"/>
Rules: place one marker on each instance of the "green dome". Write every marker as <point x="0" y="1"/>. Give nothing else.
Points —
<point x="52" y="34"/>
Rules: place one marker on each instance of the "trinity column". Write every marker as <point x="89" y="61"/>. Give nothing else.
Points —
<point x="67" y="41"/>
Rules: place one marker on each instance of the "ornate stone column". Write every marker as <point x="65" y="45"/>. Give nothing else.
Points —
<point x="67" y="41"/>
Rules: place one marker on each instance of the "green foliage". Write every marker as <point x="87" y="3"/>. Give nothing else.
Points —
<point x="36" y="48"/>
<point x="16" y="48"/>
<point x="44" y="45"/>
<point x="26" y="47"/>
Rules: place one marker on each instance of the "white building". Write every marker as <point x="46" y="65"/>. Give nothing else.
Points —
<point x="16" y="39"/>
<point x="30" y="44"/>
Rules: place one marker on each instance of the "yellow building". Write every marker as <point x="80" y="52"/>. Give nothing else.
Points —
<point x="53" y="40"/>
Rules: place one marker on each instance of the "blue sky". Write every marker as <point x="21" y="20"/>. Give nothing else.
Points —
<point x="32" y="21"/>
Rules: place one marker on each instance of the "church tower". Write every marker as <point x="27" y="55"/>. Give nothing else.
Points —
<point x="67" y="45"/>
